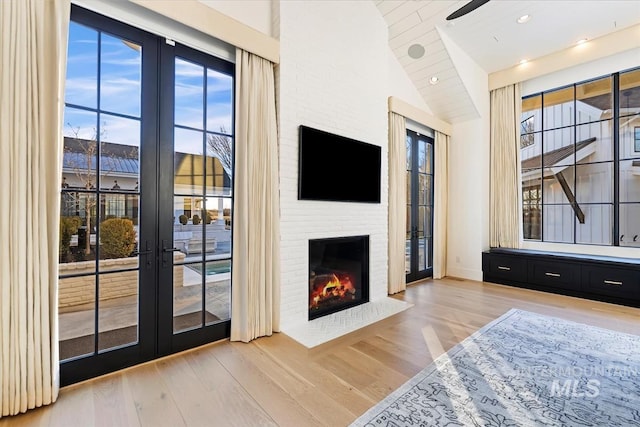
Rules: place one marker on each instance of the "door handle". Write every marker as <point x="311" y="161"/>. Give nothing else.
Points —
<point x="165" y="247"/>
<point x="166" y="250"/>
<point x="147" y="251"/>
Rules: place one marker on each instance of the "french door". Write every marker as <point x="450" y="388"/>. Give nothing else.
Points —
<point x="419" y="233"/>
<point x="146" y="198"/>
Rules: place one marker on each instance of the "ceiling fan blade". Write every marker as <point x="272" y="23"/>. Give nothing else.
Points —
<point x="469" y="7"/>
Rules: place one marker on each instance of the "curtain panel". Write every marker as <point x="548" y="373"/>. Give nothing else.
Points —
<point x="33" y="51"/>
<point x="504" y="198"/>
<point x="255" y="295"/>
<point x="441" y="202"/>
<point x="397" y="202"/>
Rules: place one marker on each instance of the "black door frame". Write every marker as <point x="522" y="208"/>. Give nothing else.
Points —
<point x="414" y="273"/>
<point x="155" y="315"/>
<point x="169" y="342"/>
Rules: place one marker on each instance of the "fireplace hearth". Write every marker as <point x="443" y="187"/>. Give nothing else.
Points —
<point x="338" y="274"/>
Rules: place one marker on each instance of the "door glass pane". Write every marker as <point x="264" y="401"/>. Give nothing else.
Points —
<point x="219" y="102"/>
<point x="118" y="315"/>
<point x="422" y="254"/>
<point x="407" y="257"/>
<point x="429" y="159"/>
<point x="409" y="152"/>
<point x="120" y="75"/>
<point x="219" y="164"/>
<point x="80" y="135"/>
<point x="422" y="156"/>
<point x="218" y="290"/>
<point x="217" y="226"/>
<point x="427" y="221"/>
<point x="189" y="168"/>
<point x="191" y="242"/>
<point x="77" y="310"/>
<point x="189" y="94"/>
<point x="81" y="87"/>
<point x="187" y="295"/>
<point x="425" y="189"/>
<point x="408" y="222"/>
<point x="118" y="234"/>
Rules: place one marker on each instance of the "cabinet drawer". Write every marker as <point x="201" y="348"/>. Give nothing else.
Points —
<point x="506" y="267"/>
<point x="612" y="281"/>
<point x="555" y="274"/>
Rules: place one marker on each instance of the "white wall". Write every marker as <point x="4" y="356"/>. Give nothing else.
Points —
<point x="332" y="76"/>
<point x="468" y="226"/>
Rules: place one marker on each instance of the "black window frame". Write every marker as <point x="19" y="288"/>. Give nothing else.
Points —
<point x="617" y="158"/>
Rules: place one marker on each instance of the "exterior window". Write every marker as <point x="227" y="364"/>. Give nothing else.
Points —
<point x="581" y="178"/>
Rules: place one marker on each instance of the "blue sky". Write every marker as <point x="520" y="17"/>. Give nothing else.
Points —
<point x="120" y="67"/>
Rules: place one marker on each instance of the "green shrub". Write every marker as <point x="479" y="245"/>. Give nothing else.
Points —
<point x="68" y="227"/>
<point x="207" y="218"/>
<point x="117" y="238"/>
<point x="196" y="219"/>
<point x="183" y="219"/>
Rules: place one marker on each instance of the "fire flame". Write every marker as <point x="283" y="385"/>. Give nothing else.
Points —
<point x="334" y="288"/>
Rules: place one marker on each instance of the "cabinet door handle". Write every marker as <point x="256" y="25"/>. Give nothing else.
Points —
<point x="612" y="282"/>
<point x="500" y="267"/>
<point x="552" y="274"/>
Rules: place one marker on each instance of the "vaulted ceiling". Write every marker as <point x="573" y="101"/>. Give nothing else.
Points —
<point x="490" y="36"/>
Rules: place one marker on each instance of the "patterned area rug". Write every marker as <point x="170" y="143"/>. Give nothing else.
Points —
<point x="523" y="369"/>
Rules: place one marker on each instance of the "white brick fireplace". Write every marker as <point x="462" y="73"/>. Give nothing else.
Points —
<point x="332" y="76"/>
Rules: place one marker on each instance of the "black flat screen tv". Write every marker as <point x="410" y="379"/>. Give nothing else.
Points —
<point x="336" y="168"/>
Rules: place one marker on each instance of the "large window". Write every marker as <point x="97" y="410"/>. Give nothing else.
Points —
<point x="580" y="163"/>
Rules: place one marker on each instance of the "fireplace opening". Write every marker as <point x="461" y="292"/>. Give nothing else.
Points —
<point x="338" y="274"/>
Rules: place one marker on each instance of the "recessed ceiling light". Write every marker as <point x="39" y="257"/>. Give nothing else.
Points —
<point x="416" y="51"/>
<point x="434" y="80"/>
<point x="582" y="41"/>
<point x="523" y="19"/>
<point x="523" y="61"/>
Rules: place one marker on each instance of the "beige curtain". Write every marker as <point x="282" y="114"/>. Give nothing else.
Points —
<point x="397" y="202"/>
<point x="33" y="44"/>
<point x="255" y="295"/>
<point x="504" y="199"/>
<point x="440" y="200"/>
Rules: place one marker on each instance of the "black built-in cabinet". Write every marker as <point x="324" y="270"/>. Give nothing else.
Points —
<point x="610" y="279"/>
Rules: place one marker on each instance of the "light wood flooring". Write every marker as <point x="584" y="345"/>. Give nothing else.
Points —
<point x="276" y="381"/>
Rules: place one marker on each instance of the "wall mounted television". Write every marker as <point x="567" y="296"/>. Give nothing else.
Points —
<point x="336" y="168"/>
